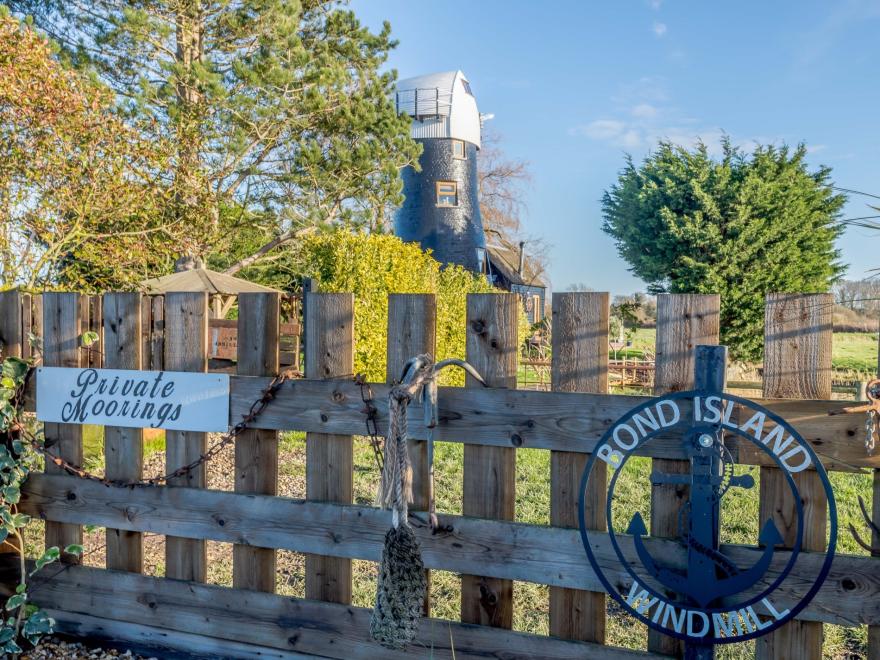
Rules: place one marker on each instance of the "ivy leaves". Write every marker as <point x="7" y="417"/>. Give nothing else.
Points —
<point x="20" y="621"/>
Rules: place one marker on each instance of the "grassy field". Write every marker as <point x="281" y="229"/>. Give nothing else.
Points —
<point x="854" y="352"/>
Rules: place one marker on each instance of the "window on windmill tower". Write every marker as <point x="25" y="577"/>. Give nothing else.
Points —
<point x="447" y="193"/>
<point x="458" y="150"/>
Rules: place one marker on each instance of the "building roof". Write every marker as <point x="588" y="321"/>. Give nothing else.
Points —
<point x="202" y="279"/>
<point x="504" y="259"/>
<point x="442" y="105"/>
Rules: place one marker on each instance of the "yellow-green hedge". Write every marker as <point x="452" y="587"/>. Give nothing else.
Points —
<point x="373" y="265"/>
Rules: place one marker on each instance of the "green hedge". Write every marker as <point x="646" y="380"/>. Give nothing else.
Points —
<point x="373" y="265"/>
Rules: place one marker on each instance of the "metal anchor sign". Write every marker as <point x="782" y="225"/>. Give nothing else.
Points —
<point x="692" y="587"/>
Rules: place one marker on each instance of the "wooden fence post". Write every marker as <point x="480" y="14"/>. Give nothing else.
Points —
<point x="797" y="365"/>
<point x="11" y="340"/>
<point x="874" y="631"/>
<point x="684" y="321"/>
<point x="490" y="472"/>
<point x="256" y="451"/>
<point x="412" y="330"/>
<point x="579" y="364"/>
<point x="186" y="349"/>
<point x="329" y="348"/>
<point x="62" y="336"/>
<point x="123" y="447"/>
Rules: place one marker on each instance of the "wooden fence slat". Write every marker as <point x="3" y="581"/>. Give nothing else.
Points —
<point x="490" y="472"/>
<point x="62" y="335"/>
<point x="579" y="363"/>
<point x="684" y="321"/>
<point x="27" y="325"/>
<point x="508" y="550"/>
<point x="797" y="364"/>
<point x="186" y="349"/>
<point x="412" y="330"/>
<point x="291" y="624"/>
<point x="10" y="324"/>
<point x="256" y="451"/>
<point x="329" y="458"/>
<point x="561" y="421"/>
<point x="123" y="447"/>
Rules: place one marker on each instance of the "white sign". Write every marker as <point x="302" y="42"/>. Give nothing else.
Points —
<point x="174" y="400"/>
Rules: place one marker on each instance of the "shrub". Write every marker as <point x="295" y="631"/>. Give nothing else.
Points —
<point x="373" y="265"/>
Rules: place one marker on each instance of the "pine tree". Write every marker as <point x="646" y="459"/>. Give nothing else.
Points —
<point x="741" y="226"/>
<point x="277" y="108"/>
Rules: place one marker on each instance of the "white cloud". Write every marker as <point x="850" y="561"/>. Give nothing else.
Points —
<point x="602" y="129"/>
<point x="655" y="4"/>
<point x="643" y="110"/>
<point x="659" y="28"/>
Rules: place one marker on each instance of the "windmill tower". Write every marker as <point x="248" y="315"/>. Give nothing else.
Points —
<point x="442" y="210"/>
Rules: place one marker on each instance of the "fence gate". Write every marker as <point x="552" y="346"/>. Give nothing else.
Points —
<point x="486" y="546"/>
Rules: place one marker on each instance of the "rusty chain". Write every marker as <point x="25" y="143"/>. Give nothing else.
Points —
<point x="256" y="409"/>
<point x="371" y="418"/>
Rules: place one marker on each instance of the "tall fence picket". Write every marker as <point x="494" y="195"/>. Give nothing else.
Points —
<point x="11" y="339"/>
<point x="329" y="458"/>
<point x="490" y="472"/>
<point x="579" y="364"/>
<point x="186" y="349"/>
<point x="683" y="322"/>
<point x="256" y="451"/>
<point x="797" y="365"/>
<point x="412" y="330"/>
<point x="62" y="329"/>
<point x="123" y="447"/>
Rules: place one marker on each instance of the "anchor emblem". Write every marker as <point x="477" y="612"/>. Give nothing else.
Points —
<point x="695" y="592"/>
<point x="710" y="575"/>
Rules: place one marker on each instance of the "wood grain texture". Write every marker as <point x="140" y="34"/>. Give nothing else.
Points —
<point x="11" y="339"/>
<point x="490" y="472"/>
<point x="329" y="457"/>
<point x="256" y="451"/>
<point x="579" y="363"/>
<point x="507" y="550"/>
<point x="289" y="624"/>
<point x="149" y="641"/>
<point x="797" y="365"/>
<point x="684" y="321"/>
<point x="123" y="447"/>
<point x="412" y="331"/>
<point x="186" y="349"/>
<point x="62" y="335"/>
<point x="561" y="421"/>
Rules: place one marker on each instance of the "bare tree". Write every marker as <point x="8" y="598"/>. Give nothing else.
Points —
<point x="503" y="183"/>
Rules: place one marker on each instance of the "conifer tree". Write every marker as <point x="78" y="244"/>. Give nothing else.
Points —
<point x="277" y="108"/>
<point x="741" y="226"/>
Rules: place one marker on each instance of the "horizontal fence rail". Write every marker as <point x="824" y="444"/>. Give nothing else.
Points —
<point x="487" y="547"/>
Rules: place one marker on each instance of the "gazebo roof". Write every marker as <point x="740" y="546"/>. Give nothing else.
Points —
<point x="202" y="279"/>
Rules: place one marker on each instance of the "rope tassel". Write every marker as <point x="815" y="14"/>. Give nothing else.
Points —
<point x="402" y="586"/>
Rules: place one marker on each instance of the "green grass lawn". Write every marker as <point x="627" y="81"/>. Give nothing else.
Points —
<point x="854" y="352"/>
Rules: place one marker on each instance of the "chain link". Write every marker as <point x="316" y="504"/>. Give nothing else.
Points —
<point x="870" y="431"/>
<point x="257" y="407"/>
<point x="371" y="418"/>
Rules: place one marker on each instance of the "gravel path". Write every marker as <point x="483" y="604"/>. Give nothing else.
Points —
<point x="52" y="647"/>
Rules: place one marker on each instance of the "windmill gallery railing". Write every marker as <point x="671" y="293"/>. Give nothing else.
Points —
<point x="485" y="545"/>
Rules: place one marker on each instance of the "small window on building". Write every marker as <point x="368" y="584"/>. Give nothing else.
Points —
<point x="458" y="150"/>
<point x="447" y="193"/>
<point x="467" y="87"/>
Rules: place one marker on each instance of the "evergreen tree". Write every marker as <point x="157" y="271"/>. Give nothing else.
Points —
<point x="740" y="226"/>
<point x="277" y="108"/>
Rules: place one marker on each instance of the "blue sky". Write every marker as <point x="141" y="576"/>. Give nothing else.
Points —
<point x="576" y="85"/>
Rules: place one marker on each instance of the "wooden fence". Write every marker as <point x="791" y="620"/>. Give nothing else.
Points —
<point x="485" y="545"/>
